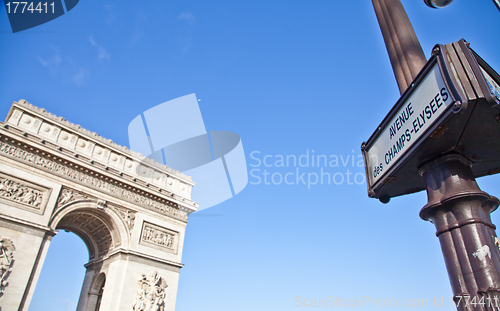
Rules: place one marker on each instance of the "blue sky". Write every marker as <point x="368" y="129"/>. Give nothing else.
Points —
<point x="289" y="77"/>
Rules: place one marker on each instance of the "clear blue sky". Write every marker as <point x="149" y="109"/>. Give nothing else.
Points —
<point x="289" y="77"/>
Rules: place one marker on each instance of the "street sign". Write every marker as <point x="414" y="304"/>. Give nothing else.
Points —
<point x="450" y="106"/>
<point x="428" y="101"/>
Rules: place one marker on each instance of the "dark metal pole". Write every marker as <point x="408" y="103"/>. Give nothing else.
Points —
<point x="497" y="4"/>
<point x="461" y="213"/>
<point x="406" y="54"/>
<point x="456" y="205"/>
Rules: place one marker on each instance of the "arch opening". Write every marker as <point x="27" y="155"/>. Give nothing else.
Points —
<point x="94" y="227"/>
<point x="62" y="275"/>
<point x="100" y="234"/>
<point x="99" y="286"/>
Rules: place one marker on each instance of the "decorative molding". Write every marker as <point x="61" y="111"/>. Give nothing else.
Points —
<point x="127" y="215"/>
<point x="6" y="261"/>
<point x="153" y="235"/>
<point x="151" y="293"/>
<point x="23" y="194"/>
<point x="69" y="172"/>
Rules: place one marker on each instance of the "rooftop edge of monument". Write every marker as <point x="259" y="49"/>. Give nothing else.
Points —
<point x="95" y="152"/>
<point x="97" y="137"/>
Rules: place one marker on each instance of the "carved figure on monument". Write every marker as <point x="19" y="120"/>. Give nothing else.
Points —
<point x="127" y="215"/>
<point x="68" y="195"/>
<point x="151" y="293"/>
<point x="6" y="260"/>
<point x="129" y="219"/>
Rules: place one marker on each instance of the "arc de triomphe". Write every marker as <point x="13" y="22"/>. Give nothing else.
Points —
<point x="130" y="211"/>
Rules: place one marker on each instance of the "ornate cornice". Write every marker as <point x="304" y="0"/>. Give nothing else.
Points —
<point x="57" y="165"/>
<point x="64" y="138"/>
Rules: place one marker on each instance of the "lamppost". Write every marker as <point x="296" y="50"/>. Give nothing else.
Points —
<point x="439" y="137"/>
<point x="435" y="4"/>
<point x="438" y="3"/>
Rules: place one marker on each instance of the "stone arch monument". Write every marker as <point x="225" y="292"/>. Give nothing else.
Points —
<point x="130" y="211"/>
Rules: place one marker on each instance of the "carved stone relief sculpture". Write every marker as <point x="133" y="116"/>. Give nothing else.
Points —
<point x="158" y="236"/>
<point x="151" y="293"/>
<point x="6" y="260"/>
<point x="127" y="215"/>
<point x="15" y="190"/>
<point x="69" y="195"/>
